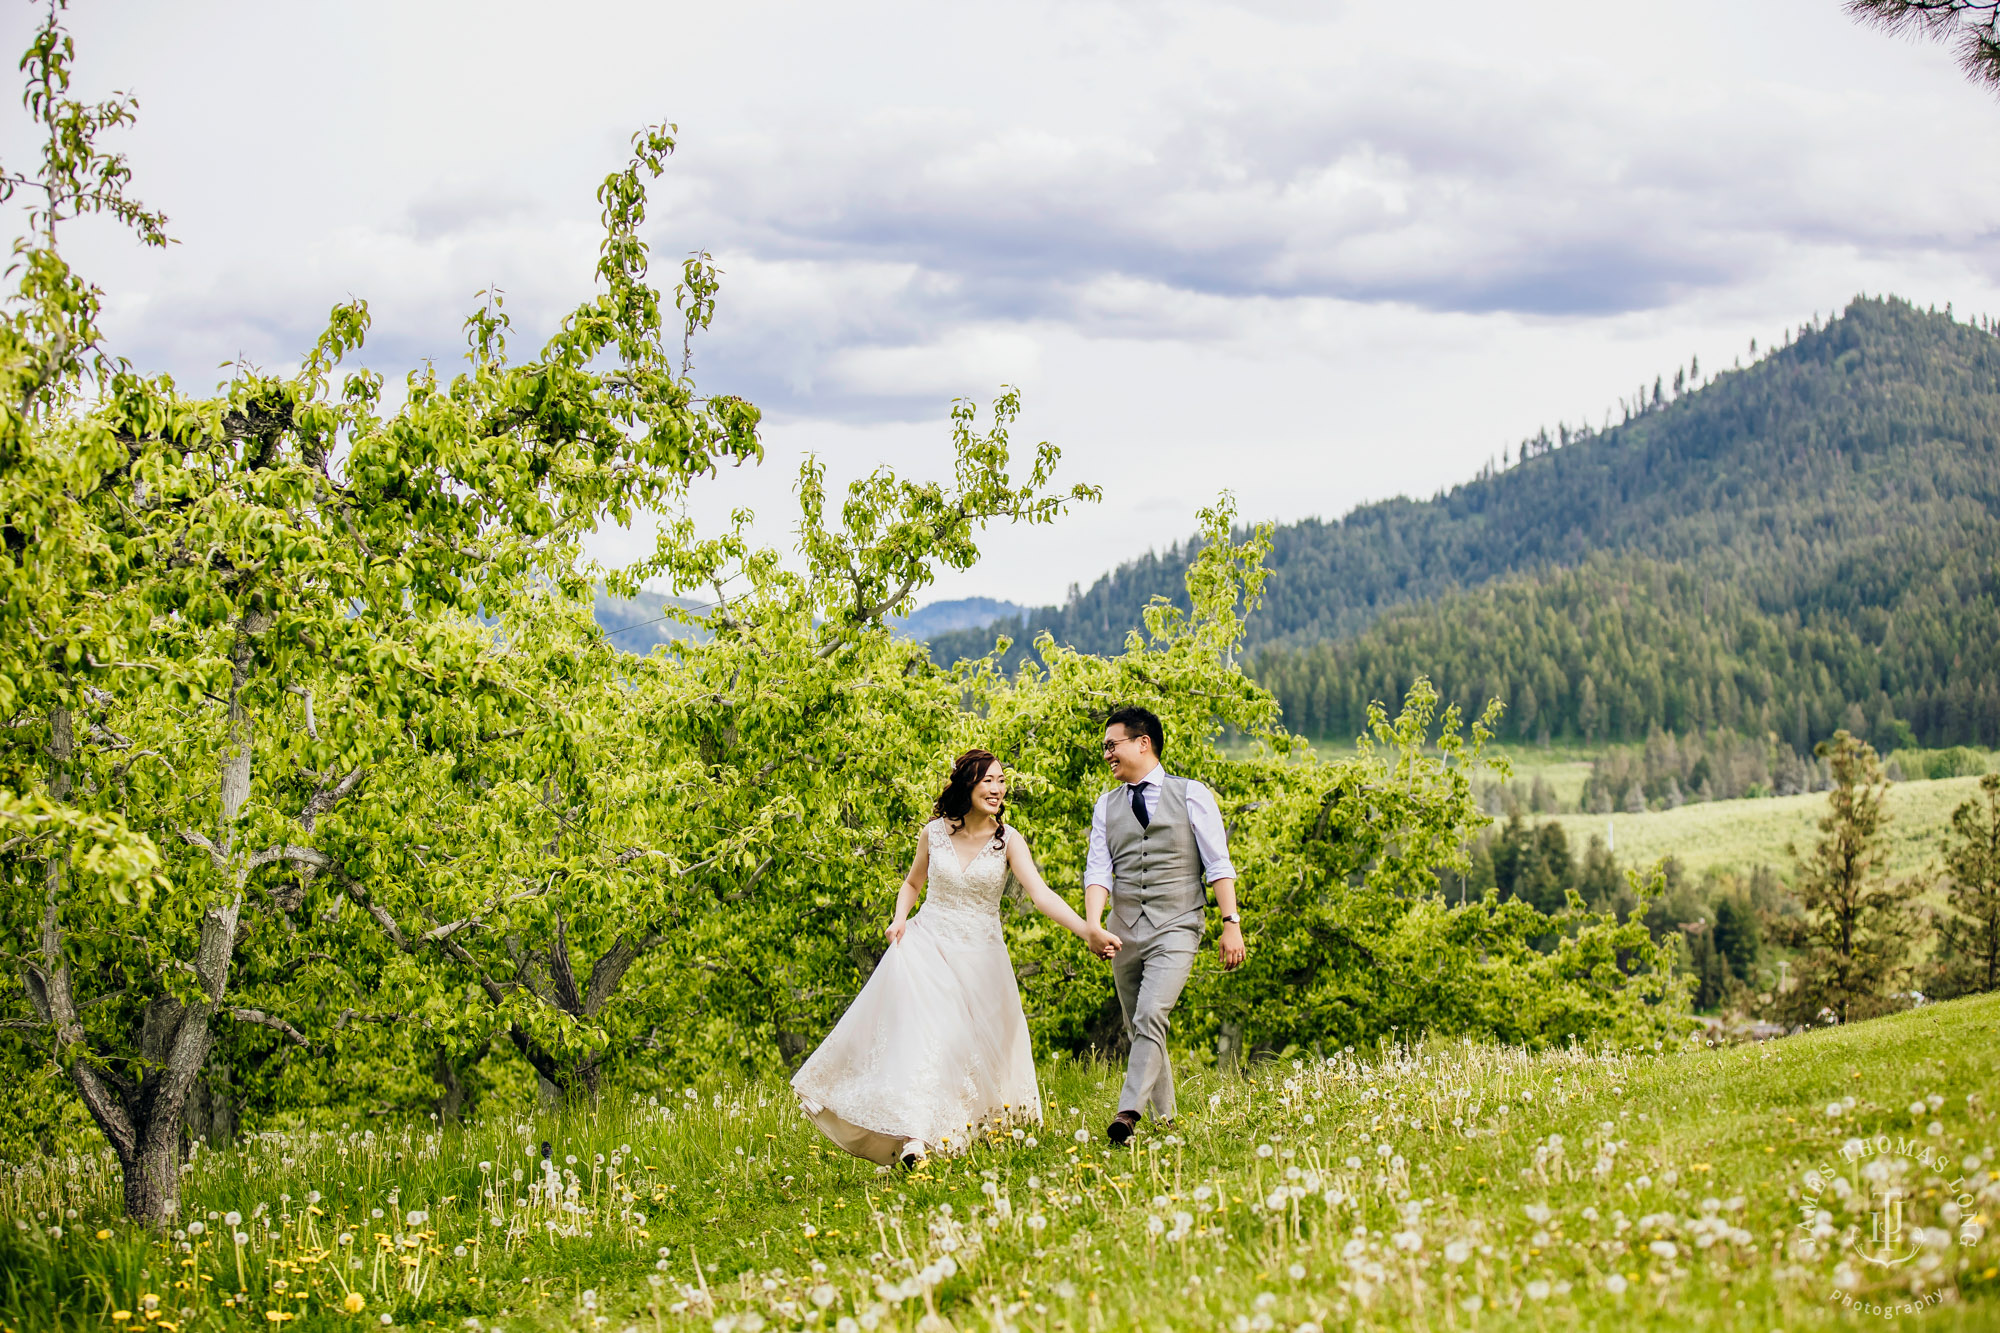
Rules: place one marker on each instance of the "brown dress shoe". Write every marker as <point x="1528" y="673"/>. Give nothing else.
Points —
<point x="1120" y="1129"/>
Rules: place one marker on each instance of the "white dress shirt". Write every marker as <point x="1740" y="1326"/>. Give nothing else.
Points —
<point x="1210" y="837"/>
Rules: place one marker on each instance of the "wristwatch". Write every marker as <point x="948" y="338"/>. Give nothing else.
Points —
<point x="1233" y="919"/>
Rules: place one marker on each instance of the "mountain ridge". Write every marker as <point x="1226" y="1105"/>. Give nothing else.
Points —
<point x="1841" y="489"/>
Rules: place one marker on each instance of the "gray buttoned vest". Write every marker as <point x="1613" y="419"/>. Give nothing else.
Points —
<point x="1156" y="867"/>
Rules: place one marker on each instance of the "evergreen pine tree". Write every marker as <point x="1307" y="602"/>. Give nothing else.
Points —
<point x="1706" y="962"/>
<point x="1853" y="932"/>
<point x="1736" y="937"/>
<point x="1969" y="928"/>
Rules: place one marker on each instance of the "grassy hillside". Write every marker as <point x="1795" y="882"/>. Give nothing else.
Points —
<point x="1449" y="1186"/>
<point x="1740" y="835"/>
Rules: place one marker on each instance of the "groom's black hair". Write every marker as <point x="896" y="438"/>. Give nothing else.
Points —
<point x="1139" y="721"/>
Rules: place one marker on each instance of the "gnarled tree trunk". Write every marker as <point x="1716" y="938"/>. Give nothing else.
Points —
<point x="552" y="978"/>
<point x="140" y="1117"/>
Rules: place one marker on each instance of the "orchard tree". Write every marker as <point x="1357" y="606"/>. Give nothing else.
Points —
<point x="1338" y="860"/>
<point x="226" y="615"/>
<point x="699" y="847"/>
<point x="1047" y="723"/>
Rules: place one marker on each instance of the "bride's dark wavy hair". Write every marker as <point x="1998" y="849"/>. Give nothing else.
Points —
<point x="955" y="801"/>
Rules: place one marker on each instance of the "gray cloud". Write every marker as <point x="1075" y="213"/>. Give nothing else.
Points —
<point x="1179" y="174"/>
<point x="1457" y="193"/>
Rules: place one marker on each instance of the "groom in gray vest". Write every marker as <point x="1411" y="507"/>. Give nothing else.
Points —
<point x="1153" y="839"/>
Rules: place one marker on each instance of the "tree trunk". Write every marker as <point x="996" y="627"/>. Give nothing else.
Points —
<point x="565" y="1080"/>
<point x="144" y="1119"/>
<point x="130" y="1115"/>
<point x="1229" y="1047"/>
<point x="455" y="1095"/>
<point x="211" y="1110"/>
<point x="560" y="1081"/>
<point x="451" y="1096"/>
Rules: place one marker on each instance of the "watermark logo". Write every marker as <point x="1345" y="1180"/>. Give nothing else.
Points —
<point x="1893" y="1214"/>
<point x="1894" y="1174"/>
<point x="1888" y="1241"/>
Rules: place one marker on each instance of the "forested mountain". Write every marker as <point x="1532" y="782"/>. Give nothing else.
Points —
<point x="935" y="618"/>
<point x="1783" y="548"/>
<point x="640" y="624"/>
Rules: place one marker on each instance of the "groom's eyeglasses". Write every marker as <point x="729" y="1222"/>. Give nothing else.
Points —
<point x="1110" y="745"/>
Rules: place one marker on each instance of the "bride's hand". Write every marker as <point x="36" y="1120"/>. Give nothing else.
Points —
<point x="895" y="931"/>
<point x="1101" y="942"/>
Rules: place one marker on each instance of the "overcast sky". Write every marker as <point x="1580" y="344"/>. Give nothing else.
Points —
<point x="1314" y="253"/>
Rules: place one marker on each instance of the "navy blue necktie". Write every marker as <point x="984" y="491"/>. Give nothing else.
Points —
<point x="1139" y="805"/>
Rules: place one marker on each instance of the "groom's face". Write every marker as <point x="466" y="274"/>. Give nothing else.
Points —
<point x="1130" y="756"/>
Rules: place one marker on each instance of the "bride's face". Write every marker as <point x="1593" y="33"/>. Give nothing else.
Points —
<point x="991" y="792"/>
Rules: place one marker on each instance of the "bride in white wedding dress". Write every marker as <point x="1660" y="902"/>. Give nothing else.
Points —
<point x="935" y="1047"/>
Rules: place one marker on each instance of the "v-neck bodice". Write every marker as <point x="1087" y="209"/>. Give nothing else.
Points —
<point x="962" y="900"/>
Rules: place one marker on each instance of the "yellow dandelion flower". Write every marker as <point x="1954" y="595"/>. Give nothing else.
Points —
<point x="354" y="1304"/>
<point x="120" y="1316"/>
<point x="104" y="1234"/>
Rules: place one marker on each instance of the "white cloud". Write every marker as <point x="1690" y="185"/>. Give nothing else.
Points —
<point x="963" y="362"/>
<point x="1317" y="253"/>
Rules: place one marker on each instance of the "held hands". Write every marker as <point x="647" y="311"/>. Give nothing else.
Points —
<point x="895" y="931"/>
<point x="1101" y="942"/>
<point x="1229" y="950"/>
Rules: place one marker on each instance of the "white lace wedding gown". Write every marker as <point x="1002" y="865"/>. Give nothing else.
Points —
<point x="935" y="1047"/>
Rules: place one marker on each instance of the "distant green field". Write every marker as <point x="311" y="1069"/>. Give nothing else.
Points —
<point x="1562" y="768"/>
<point x="1740" y="835"/>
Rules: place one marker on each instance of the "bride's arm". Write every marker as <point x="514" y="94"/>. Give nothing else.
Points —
<point x="913" y="883"/>
<point x="1050" y="903"/>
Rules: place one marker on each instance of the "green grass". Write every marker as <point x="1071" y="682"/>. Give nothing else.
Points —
<point x="1740" y="835"/>
<point x="1450" y="1186"/>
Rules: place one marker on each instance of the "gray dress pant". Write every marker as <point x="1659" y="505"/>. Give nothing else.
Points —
<point x="1149" y="972"/>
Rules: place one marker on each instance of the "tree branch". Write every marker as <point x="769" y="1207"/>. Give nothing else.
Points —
<point x="262" y="1019"/>
<point x="307" y="856"/>
<point x="194" y="839"/>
